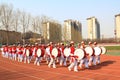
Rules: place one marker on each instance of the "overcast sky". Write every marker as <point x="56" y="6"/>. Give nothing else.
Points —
<point x="103" y="10"/>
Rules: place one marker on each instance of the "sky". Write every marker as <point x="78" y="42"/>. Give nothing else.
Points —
<point x="60" y="10"/>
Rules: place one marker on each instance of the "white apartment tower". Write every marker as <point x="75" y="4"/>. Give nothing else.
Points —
<point x="93" y="28"/>
<point x="117" y="27"/>
<point x="72" y="30"/>
<point x="52" y="32"/>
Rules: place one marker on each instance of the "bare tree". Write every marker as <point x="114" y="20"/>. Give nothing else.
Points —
<point x="0" y="14"/>
<point x="34" y="24"/>
<point x="7" y="18"/>
<point x="16" y="24"/>
<point x="0" y="24"/>
<point x="16" y="20"/>
<point x="25" y="22"/>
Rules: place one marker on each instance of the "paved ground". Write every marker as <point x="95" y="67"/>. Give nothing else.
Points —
<point x="109" y="69"/>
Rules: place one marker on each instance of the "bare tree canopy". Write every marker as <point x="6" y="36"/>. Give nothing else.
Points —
<point x="21" y="21"/>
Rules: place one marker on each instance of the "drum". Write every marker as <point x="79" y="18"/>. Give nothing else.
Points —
<point x="89" y="50"/>
<point x="97" y="51"/>
<point x="54" y="52"/>
<point x="27" y="52"/>
<point x="38" y="53"/>
<point x="67" y="52"/>
<point x="80" y="53"/>
<point x="103" y="50"/>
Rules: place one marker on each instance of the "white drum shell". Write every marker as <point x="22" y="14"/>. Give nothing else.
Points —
<point x="27" y="52"/>
<point x="38" y="52"/>
<point x="80" y="53"/>
<point x="67" y="52"/>
<point x="89" y="50"/>
<point x="55" y="52"/>
<point x="97" y="51"/>
<point x="103" y="50"/>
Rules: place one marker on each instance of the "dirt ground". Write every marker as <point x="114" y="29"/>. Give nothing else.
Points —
<point x="109" y="69"/>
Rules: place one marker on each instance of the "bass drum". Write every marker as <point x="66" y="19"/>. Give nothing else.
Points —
<point x="103" y="50"/>
<point x="27" y="52"/>
<point x="97" y="51"/>
<point x="80" y="53"/>
<point x="38" y="53"/>
<point x="67" y="52"/>
<point x="55" y="52"/>
<point x="89" y="50"/>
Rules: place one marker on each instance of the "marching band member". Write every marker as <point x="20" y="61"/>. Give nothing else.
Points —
<point x="20" y="53"/>
<point x="47" y="53"/>
<point x="10" y="52"/>
<point x="14" y="55"/>
<point x="35" y="54"/>
<point x="32" y="49"/>
<point x="97" y="58"/>
<point x="52" y="58"/>
<point x="58" y="58"/>
<point x="42" y="52"/>
<point x="6" y="51"/>
<point x="84" y="60"/>
<point x="92" y="57"/>
<point x="73" y="59"/>
<point x="78" y="45"/>
<point x="24" y="52"/>
<point x="38" y="58"/>
<point x="27" y="54"/>
<point x="63" y="58"/>
<point x="30" y="54"/>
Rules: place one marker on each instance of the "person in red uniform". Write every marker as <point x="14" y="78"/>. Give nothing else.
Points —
<point x="59" y="52"/>
<point x="92" y="57"/>
<point x="24" y="52"/>
<point x="72" y="48"/>
<point x="20" y="53"/>
<point x="42" y="52"/>
<point x="6" y="51"/>
<point x="97" y="57"/>
<point x="14" y="54"/>
<point x="63" y="58"/>
<point x="32" y="49"/>
<point x="73" y="58"/>
<point x="52" y="58"/>
<point x="47" y="53"/>
<point x="10" y="51"/>
<point x="37" y="57"/>
<point x="84" y="60"/>
<point x="28" y="53"/>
